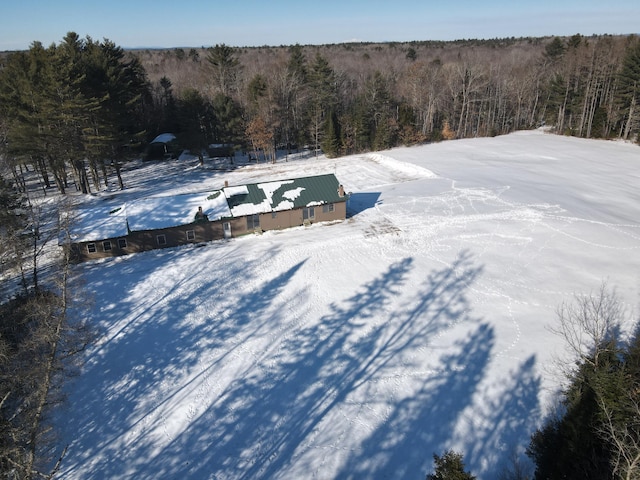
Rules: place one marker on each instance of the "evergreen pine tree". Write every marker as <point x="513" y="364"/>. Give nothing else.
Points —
<point x="322" y="84"/>
<point x="28" y="104"/>
<point x="228" y="126"/>
<point x="595" y="435"/>
<point x="450" y="466"/>
<point x="195" y="116"/>
<point x="225" y="67"/>
<point x="385" y="133"/>
<point x="127" y="100"/>
<point x="297" y="65"/>
<point x="554" y="50"/>
<point x="331" y="136"/>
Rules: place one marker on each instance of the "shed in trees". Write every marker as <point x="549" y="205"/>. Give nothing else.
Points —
<point x="163" y="147"/>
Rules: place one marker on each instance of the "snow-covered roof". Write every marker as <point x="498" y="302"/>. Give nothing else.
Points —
<point x="98" y="223"/>
<point x="164" y="138"/>
<point x="239" y="190"/>
<point x="152" y="213"/>
<point x="271" y="188"/>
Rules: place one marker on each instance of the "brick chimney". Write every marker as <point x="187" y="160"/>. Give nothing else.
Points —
<point x="226" y="183"/>
<point x="341" y="191"/>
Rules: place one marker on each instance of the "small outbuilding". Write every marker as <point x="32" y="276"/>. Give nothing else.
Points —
<point x="163" y="147"/>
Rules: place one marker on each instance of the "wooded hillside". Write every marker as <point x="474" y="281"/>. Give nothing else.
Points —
<point x="82" y="107"/>
<point x="477" y="87"/>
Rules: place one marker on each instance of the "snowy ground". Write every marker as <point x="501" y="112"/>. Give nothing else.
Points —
<point x="358" y="349"/>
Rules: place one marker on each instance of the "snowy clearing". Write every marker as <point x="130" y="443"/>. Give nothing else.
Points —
<point x="357" y="349"/>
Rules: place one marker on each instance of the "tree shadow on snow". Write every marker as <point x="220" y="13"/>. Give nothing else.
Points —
<point x="500" y="436"/>
<point x="290" y="407"/>
<point x="159" y="342"/>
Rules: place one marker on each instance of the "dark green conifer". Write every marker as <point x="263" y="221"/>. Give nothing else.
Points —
<point x="449" y="466"/>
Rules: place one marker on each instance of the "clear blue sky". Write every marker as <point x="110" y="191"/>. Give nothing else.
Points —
<point x="196" y="23"/>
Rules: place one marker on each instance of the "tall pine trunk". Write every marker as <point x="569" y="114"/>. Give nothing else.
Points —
<point x="627" y="128"/>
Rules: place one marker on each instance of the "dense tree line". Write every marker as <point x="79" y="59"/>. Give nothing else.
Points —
<point x="356" y="97"/>
<point x="71" y="111"/>
<point x="77" y="110"/>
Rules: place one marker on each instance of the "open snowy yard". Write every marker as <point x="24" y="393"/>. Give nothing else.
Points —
<point x="358" y="349"/>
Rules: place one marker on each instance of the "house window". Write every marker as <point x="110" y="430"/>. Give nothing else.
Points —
<point x="106" y="246"/>
<point x="122" y="243"/>
<point x="91" y="247"/>
<point x="253" y="222"/>
<point x="327" y="208"/>
<point x="191" y="235"/>
<point x="308" y="213"/>
<point x="274" y="214"/>
<point x="161" y="239"/>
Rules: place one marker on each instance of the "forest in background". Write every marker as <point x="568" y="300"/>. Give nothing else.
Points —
<point x="83" y="107"/>
<point x="348" y="98"/>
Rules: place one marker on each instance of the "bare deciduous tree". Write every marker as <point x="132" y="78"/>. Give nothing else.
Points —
<point x="38" y="346"/>
<point x="588" y="325"/>
<point x="602" y="398"/>
<point x="623" y="438"/>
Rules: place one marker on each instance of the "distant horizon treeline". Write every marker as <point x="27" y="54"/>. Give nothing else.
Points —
<point x="78" y="109"/>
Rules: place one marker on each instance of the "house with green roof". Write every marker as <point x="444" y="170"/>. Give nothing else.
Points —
<point x="287" y="203"/>
<point x="169" y="221"/>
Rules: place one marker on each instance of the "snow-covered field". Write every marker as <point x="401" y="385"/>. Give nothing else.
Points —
<point x="357" y="349"/>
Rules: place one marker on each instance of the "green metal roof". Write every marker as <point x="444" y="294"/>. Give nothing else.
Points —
<point x="285" y="195"/>
<point x="319" y="189"/>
